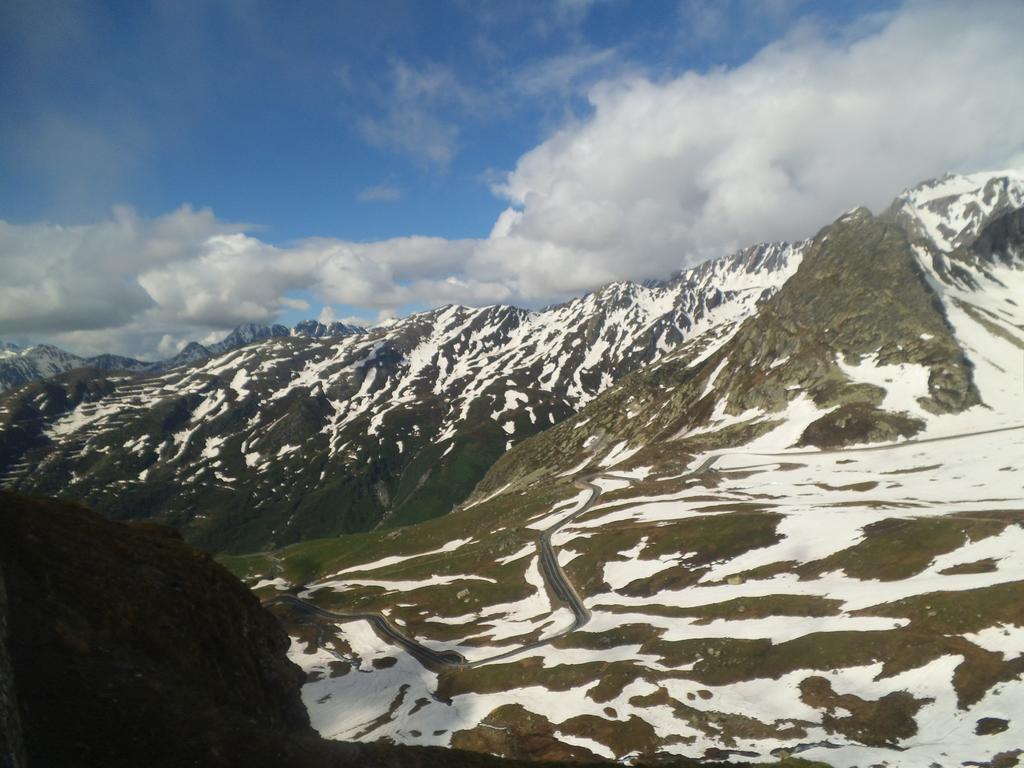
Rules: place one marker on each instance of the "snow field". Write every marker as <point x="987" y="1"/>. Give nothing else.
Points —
<point x="824" y="502"/>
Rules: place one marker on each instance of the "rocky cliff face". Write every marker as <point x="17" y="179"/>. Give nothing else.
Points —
<point x="12" y="747"/>
<point x="128" y="647"/>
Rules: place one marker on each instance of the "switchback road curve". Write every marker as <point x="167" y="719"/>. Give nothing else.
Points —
<point x="554" y="578"/>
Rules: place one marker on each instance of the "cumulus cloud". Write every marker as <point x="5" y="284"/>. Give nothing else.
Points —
<point x="661" y="174"/>
<point x="669" y="173"/>
<point x="84" y="278"/>
<point x="327" y="315"/>
<point x="409" y="114"/>
<point x="380" y="193"/>
<point x="144" y="287"/>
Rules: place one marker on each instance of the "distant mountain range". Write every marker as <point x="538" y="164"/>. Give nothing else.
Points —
<point x="310" y="433"/>
<point x="41" y="361"/>
<point x="276" y="435"/>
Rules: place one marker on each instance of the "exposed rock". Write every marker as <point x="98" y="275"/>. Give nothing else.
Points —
<point x="130" y="648"/>
<point x="12" y="748"/>
<point x="989" y="725"/>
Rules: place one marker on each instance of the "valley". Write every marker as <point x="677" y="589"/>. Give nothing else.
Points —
<point x="717" y="600"/>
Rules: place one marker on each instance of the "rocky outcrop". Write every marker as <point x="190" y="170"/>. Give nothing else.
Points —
<point x="128" y="646"/>
<point x="12" y="747"/>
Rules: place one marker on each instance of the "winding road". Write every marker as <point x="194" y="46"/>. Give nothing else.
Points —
<point x="554" y="578"/>
<point x="384" y="629"/>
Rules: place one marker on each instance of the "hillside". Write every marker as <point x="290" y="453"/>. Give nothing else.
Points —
<point x="302" y="436"/>
<point x="802" y="536"/>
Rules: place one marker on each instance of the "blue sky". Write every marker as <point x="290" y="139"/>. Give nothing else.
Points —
<point x="370" y="122"/>
<point x="260" y="110"/>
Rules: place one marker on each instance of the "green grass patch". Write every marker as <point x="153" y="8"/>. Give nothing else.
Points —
<point x="247" y="566"/>
<point x="897" y="548"/>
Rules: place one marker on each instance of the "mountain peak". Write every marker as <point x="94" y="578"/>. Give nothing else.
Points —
<point x="950" y="211"/>
<point x="314" y="329"/>
<point x="246" y="333"/>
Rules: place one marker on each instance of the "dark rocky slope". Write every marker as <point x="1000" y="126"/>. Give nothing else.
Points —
<point x="130" y="648"/>
<point x="12" y="747"/>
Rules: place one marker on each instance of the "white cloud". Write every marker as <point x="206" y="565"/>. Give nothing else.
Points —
<point x="414" y="131"/>
<point x="380" y="193"/>
<point x="145" y="287"/>
<point x="726" y="22"/>
<point x="666" y="174"/>
<point x="419" y="109"/>
<point x="411" y="113"/>
<point x="327" y="315"/>
<point x="561" y="76"/>
<point x="82" y="278"/>
<point x="661" y="175"/>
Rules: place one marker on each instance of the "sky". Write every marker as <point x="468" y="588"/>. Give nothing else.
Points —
<point x="169" y="170"/>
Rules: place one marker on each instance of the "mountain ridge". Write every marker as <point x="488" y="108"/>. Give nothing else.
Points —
<point x="295" y="437"/>
<point x="41" y="361"/>
<point x="388" y="427"/>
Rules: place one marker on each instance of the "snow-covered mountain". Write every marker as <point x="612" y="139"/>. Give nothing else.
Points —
<point x="314" y="329"/>
<point x="889" y="330"/>
<point x="800" y="533"/>
<point x="43" y="361"/>
<point x="300" y="436"/>
<point x="18" y="366"/>
<point x="949" y="212"/>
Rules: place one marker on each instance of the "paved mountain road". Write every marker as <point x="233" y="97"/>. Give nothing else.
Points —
<point x="554" y="578"/>
<point x="429" y="657"/>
